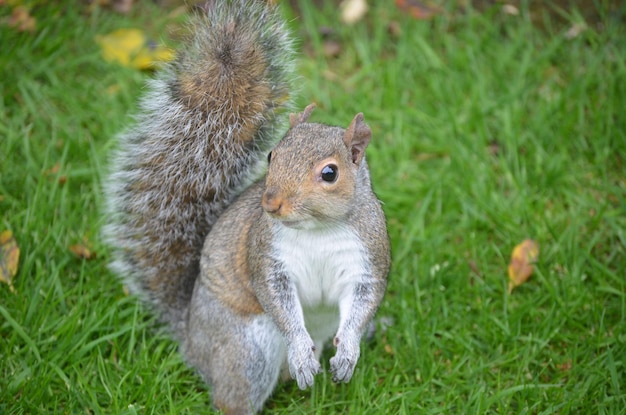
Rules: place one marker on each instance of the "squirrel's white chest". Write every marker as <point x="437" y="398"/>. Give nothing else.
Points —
<point x="323" y="264"/>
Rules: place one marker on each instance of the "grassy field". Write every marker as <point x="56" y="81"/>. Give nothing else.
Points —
<point x="488" y="129"/>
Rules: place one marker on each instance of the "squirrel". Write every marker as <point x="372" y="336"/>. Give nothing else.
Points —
<point x="253" y="273"/>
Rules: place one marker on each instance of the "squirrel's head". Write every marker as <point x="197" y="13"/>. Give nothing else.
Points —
<point x="313" y="172"/>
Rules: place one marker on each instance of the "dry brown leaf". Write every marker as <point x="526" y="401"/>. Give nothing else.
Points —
<point x="565" y="366"/>
<point x="332" y="48"/>
<point x="522" y="259"/>
<point x="394" y="28"/>
<point x="22" y="20"/>
<point x="9" y="258"/>
<point x="417" y="9"/>
<point x="53" y="170"/>
<point x="123" y="6"/>
<point x="82" y="251"/>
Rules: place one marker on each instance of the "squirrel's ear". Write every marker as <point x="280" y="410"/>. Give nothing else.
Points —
<point x="357" y="137"/>
<point x="295" y="119"/>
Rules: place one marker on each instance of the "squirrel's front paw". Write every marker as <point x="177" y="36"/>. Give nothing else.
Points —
<point x="343" y="363"/>
<point x="303" y="365"/>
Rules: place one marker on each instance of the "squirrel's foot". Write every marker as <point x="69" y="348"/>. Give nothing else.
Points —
<point x="303" y="365"/>
<point x="343" y="363"/>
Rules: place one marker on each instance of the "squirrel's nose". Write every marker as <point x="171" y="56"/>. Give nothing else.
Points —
<point x="271" y="202"/>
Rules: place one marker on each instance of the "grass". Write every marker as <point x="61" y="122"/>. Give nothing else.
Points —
<point x="487" y="130"/>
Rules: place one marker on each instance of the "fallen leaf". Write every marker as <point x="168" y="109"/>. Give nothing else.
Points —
<point x="123" y="6"/>
<point x="565" y="366"/>
<point x="510" y="9"/>
<point x="417" y="9"/>
<point x="22" y="20"/>
<point x="522" y="259"/>
<point x="475" y="270"/>
<point x="82" y="251"/>
<point x="575" y="30"/>
<point x="332" y="48"/>
<point x="389" y="349"/>
<point x="494" y="148"/>
<point x="353" y="10"/>
<point x="394" y="28"/>
<point x="53" y="170"/>
<point x="9" y="258"/>
<point x="132" y="48"/>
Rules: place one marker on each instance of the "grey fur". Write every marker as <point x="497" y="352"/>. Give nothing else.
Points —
<point x="231" y="346"/>
<point x="179" y="166"/>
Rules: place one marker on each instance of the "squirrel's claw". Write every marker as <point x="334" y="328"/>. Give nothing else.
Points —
<point x="303" y="365"/>
<point x="343" y="363"/>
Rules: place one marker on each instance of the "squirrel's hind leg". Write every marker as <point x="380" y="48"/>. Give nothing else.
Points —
<point x="238" y="356"/>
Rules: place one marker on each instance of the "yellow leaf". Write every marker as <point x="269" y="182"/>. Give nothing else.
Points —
<point x="522" y="259"/>
<point x="132" y="48"/>
<point x="9" y="258"/>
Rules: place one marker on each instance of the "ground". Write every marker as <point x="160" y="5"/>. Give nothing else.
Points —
<point x="490" y="126"/>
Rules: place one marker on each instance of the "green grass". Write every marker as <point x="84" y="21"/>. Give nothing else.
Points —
<point x="487" y="130"/>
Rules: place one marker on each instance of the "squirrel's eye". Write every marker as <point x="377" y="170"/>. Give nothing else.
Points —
<point x="329" y="173"/>
<point x="269" y="156"/>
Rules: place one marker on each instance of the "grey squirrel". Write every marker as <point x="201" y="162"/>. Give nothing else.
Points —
<point x="253" y="274"/>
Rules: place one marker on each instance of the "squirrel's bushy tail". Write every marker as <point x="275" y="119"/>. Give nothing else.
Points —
<point x="204" y="125"/>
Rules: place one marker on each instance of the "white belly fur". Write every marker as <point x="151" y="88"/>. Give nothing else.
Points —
<point x="324" y="265"/>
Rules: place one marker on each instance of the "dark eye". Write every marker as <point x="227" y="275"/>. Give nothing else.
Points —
<point x="329" y="173"/>
<point x="269" y="156"/>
